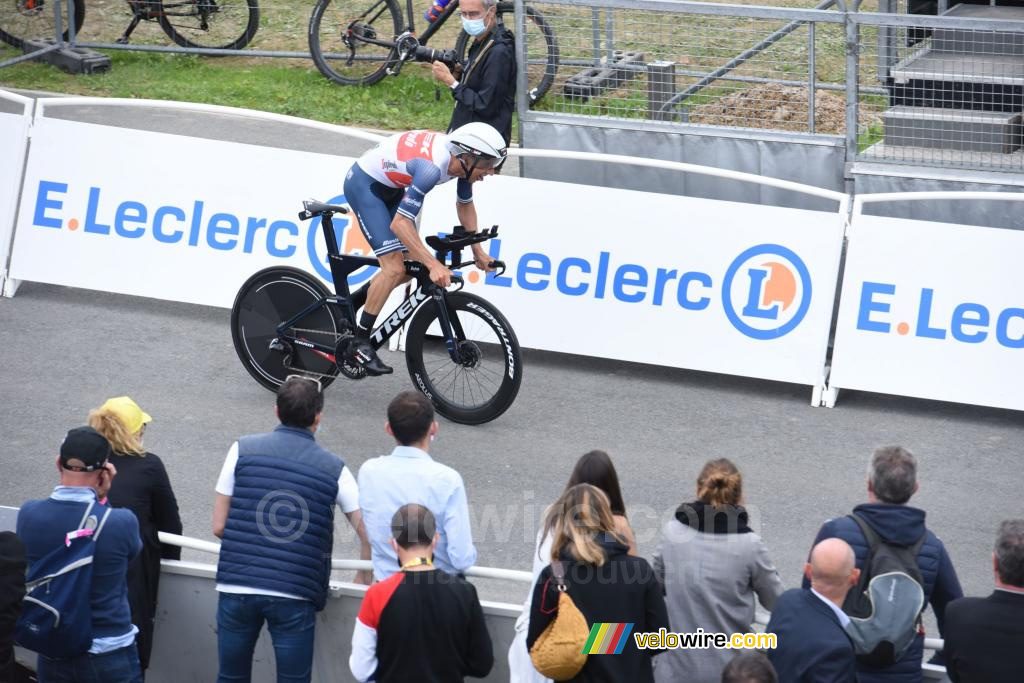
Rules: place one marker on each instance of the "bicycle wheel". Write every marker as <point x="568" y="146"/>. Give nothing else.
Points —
<point x="217" y="24"/>
<point x="21" y="19"/>
<point x="338" y="30"/>
<point x="541" y="49"/>
<point x="268" y="298"/>
<point x="485" y="384"/>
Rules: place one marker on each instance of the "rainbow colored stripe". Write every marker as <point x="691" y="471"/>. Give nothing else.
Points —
<point x="607" y="639"/>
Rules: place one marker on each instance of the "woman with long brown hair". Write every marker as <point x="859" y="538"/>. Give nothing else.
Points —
<point x="712" y="565"/>
<point x="141" y="485"/>
<point x="606" y="583"/>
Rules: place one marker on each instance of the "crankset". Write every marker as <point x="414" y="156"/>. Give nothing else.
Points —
<point x="343" y="358"/>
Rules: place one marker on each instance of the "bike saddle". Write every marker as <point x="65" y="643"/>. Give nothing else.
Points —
<point x="313" y="208"/>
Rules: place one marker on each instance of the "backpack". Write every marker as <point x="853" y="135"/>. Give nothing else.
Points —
<point x="56" y="615"/>
<point x="886" y="604"/>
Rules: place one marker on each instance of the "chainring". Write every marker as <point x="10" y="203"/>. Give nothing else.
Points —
<point x="343" y="358"/>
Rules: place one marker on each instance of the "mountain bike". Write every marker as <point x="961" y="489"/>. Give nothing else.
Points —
<point x="218" y="24"/>
<point x="358" y="42"/>
<point x="460" y="350"/>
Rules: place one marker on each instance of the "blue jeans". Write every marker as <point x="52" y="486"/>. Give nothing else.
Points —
<point x="119" y="666"/>
<point x="291" y="623"/>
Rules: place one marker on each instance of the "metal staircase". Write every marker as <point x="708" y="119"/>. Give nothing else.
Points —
<point x="959" y="96"/>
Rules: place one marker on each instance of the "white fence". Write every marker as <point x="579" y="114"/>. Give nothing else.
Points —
<point x="676" y="281"/>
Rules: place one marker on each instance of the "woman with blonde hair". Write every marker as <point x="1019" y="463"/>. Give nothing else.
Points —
<point x="712" y="565"/>
<point x="594" y="468"/>
<point x="606" y="583"/>
<point x="143" y="487"/>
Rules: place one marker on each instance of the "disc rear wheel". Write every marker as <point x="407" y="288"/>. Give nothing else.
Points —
<point x="267" y="299"/>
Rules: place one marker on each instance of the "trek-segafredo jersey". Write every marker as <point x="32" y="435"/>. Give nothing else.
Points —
<point x="415" y="161"/>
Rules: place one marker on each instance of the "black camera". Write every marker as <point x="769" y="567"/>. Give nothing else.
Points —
<point x="428" y="54"/>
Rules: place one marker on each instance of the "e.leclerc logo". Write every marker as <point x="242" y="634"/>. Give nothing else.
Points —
<point x="765" y="292"/>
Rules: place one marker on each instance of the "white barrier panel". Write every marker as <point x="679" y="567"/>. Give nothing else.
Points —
<point x="668" y="280"/>
<point x="14" y="129"/>
<point x="684" y="282"/>
<point x="167" y="216"/>
<point x="932" y="310"/>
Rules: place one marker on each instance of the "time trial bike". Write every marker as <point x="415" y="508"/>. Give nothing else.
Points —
<point x="460" y="350"/>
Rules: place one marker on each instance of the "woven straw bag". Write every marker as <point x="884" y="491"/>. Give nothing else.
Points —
<point x="558" y="651"/>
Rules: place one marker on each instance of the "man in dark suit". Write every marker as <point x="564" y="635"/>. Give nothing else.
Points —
<point x="812" y="646"/>
<point x="984" y="635"/>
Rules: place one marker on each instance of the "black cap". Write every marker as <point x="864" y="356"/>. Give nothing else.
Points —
<point x="88" y="446"/>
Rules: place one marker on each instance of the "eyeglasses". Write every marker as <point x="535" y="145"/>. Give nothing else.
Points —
<point x="473" y="15"/>
<point x="314" y="380"/>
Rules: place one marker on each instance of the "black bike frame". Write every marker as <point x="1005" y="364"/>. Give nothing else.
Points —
<point x="343" y="265"/>
<point x="434" y="26"/>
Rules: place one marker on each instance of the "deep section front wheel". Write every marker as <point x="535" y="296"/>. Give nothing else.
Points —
<point x="267" y="299"/>
<point x="484" y="383"/>
<point x="341" y="34"/>
<point x="215" y="24"/>
<point x="21" y="19"/>
<point x="541" y="49"/>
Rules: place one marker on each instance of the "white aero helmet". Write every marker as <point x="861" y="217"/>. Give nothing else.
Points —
<point x="481" y="141"/>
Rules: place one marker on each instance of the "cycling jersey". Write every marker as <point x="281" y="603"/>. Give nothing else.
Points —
<point x="414" y="162"/>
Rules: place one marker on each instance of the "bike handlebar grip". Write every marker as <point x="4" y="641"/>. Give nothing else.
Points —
<point x="457" y="278"/>
<point x="305" y="215"/>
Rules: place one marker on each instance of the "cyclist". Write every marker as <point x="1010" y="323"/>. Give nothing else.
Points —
<point x="386" y="187"/>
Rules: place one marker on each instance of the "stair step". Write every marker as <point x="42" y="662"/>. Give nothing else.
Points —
<point x="953" y="129"/>
<point x="960" y="81"/>
<point x="980" y="42"/>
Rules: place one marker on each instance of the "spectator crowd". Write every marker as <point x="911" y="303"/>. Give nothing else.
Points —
<point x="95" y="544"/>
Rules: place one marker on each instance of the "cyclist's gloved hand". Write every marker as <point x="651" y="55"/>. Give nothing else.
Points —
<point x="439" y="274"/>
<point x="482" y="259"/>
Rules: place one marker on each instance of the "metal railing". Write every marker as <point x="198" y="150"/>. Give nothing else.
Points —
<point x="472" y="572"/>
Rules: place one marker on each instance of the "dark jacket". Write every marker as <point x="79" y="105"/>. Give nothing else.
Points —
<point x="623" y="589"/>
<point x="487" y="89"/>
<point x="985" y="638"/>
<point x="282" y="547"/>
<point x="901" y="524"/>
<point x="12" y="590"/>
<point x="811" y="646"/>
<point x="142" y="486"/>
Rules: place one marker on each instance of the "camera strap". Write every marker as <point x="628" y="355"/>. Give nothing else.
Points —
<point x="479" y="57"/>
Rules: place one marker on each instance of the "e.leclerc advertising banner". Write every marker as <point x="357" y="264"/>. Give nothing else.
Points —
<point x="667" y="280"/>
<point x="932" y="310"/>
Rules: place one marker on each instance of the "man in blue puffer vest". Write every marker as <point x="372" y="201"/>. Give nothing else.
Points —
<point x="892" y="480"/>
<point x="274" y="514"/>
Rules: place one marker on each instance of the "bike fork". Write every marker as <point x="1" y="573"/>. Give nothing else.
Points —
<point x="451" y="328"/>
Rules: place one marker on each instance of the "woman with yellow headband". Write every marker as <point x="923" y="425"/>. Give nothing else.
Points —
<point x="142" y="486"/>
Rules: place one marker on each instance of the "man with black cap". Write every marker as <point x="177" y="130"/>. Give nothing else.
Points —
<point x="43" y="525"/>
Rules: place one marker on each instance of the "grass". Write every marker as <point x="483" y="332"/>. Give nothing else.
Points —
<point x="405" y="102"/>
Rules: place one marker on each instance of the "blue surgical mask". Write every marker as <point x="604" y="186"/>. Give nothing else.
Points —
<point x="473" y="27"/>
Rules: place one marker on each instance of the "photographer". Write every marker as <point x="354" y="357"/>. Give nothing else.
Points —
<point x="486" y="84"/>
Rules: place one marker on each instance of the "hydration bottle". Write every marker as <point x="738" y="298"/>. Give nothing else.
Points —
<point x="436" y="7"/>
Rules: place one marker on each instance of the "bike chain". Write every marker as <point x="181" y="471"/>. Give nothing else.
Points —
<point x="347" y="368"/>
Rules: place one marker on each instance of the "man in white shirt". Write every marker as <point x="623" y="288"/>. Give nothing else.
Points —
<point x="410" y="475"/>
<point x="274" y="514"/>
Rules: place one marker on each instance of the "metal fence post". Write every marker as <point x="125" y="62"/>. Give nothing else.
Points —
<point x="661" y="85"/>
<point x="595" y="21"/>
<point x="72" y="38"/>
<point x="58" y="23"/>
<point x="811" y="75"/>
<point x="522" y="85"/>
<point x="609" y="34"/>
<point x="852" y="79"/>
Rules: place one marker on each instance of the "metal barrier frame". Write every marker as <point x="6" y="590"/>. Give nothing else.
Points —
<point x="19" y="157"/>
